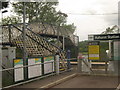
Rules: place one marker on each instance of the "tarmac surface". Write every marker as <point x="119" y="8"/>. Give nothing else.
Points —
<point x="79" y="81"/>
<point x="42" y="82"/>
<point x="90" y="82"/>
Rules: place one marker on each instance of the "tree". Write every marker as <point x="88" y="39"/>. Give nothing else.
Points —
<point x="103" y="47"/>
<point x="44" y="12"/>
<point x="69" y="27"/>
<point x="83" y="46"/>
<point x="114" y="29"/>
<point x="39" y="11"/>
<point x="11" y="20"/>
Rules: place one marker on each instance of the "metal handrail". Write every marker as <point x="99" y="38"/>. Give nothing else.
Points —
<point x="53" y="73"/>
<point x="44" y="39"/>
<point x="32" y="65"/>
<point x="40" y="37"/>
<point x="32" y="38"/>
<point x="25" y="66"/>
<point x="34" y="79"/>
<point x="71" y="59"/>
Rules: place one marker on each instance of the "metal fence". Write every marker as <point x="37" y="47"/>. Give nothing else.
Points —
<point x="51" y="64"/>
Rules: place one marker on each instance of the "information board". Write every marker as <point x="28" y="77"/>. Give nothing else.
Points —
<point x="48" y="67"/>
<point x="93" y="51"/>
<point x="18" y="73"/>
<point x="34" y="71"/>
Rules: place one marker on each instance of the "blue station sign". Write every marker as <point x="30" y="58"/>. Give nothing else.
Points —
<point x="107" y="37"/>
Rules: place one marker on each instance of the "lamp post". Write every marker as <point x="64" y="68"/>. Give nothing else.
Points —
<point x="0" y="48"/>
<point x="0" y="52"/>
<point x="24" y="42"/>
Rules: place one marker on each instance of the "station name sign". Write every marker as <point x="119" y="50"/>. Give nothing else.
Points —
<point x="107" y="37"/>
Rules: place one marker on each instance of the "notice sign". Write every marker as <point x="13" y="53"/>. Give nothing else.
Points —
<point x="18" y="73"/>
<point x="93" y="50"/>
<point x="34" y="71"/>
<point x="48" y="67"/>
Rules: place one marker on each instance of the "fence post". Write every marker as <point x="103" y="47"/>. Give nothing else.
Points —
<point x="57" y="64"/>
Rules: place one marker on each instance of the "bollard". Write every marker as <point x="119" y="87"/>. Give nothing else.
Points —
<point x="57" y="64"/>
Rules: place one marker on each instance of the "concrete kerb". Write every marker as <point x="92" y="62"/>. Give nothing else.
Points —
<point x="58" y="81"/>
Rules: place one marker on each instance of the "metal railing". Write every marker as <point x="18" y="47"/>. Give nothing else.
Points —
<point x="35" y="78"/>
<point x="24" y="66"/>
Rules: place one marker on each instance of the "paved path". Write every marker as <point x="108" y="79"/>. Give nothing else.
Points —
<point x="42" y="82"/>
<point x="79" y="81"/>
<point x="90" y="82"/>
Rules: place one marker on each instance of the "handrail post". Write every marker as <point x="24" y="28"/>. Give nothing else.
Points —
<point x="9" y="33"/>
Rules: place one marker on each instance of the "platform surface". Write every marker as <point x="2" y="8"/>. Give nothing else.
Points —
<point x="90" y="82"/>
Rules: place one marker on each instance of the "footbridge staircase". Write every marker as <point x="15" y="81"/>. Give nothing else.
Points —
<point x="38" y="36"/>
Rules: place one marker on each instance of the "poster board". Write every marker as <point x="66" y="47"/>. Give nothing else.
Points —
<point x="18" y="73"/>
<point x="49" y="67"/>
<point x="34" y="71"/>
<point x="94" y="50"/>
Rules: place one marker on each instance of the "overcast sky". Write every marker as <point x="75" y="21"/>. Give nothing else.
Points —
<point x="77" y="11"/>
<point x="96" y="23"/>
